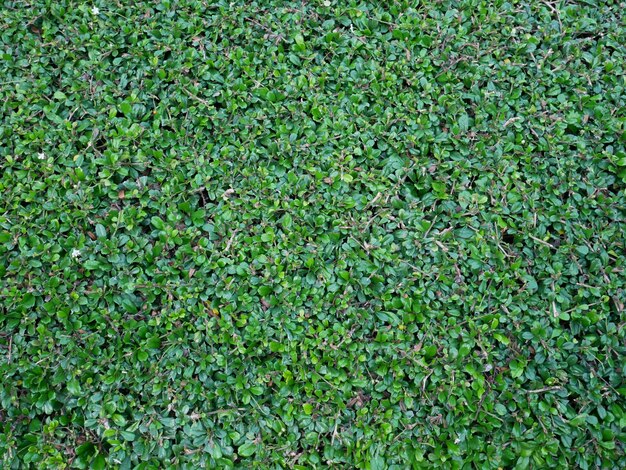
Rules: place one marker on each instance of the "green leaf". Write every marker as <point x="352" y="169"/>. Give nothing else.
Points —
<point x="128" y="436"/>
<point x="500" y="409"/>
<point x="464" y="350"/>
<point x="119" y="420"/>
<point x="264" y="290"/>
<point x="465" y="233"/>
<point x="517" y="368"/>
<point x="377" y="463"/>
<point x="85" y="450"/>
<point x="73" y="386"/>
<point x="582" y="250"/>
<point x="91" y="264"/>
<point x="28" y="301"/>
<point x="430" y="351"/>
<point x="287" y="221"/>
<point x="99" y="462"/>
<point x="126" y="108"/>
<point x="153" y="343"/>
<point x="157" y="222"/>
<point x="503" y="339"/>
<point x="464" y="122"/>
<point x="101" y="231"/>
<point x="439" y="187"/>
<point x="247" y="449"/>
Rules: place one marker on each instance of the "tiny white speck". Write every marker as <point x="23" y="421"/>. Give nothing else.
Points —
<point x="75" y="253"/>
<point x="327" y="3"/>
<point x="95" y="11"/>
<point x="488" y="367"/>
<point x="41" y="156"/>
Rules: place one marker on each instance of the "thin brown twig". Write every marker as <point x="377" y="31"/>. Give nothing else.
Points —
<point x="230" y="241"/>
<point x="558" y="16"/>
<point x="543" y="242"/>
<point x="546" y="389"/>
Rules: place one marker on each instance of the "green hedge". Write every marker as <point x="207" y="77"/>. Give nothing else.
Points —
<point x="266" y="234"/>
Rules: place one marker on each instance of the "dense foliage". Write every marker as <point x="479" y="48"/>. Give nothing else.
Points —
<point x="305" y="234"/>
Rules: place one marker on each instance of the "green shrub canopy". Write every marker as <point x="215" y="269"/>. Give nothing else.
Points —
<point x="266" y="234"/>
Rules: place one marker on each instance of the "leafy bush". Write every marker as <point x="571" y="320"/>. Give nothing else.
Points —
<point x="296" y="235"/>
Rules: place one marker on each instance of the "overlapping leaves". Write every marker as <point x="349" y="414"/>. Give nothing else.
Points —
<point x="314" y="234"/>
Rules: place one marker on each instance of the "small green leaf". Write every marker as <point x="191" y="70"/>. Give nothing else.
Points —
<point x="126" y="108"/>
<point x="98" y="463"/>
<point x="85" y="450"/>
<point x="91" y="264"/>
<point x="73" y="386"/>
<point x="119" y="419"/>
<point x="464" y="350"/>
<point x="157" y="223"/>
<point x="503" y="339"/>
<point x="517" y="368"/>
<point x="129" y="436"/>
<point x="153" y="343"/>
<point x="465" y="233"/>
<point x="377" y="463"/>
<point x="438" y="186"/>
<point x="430" y="351"/>
<point x="500" y="409"/>
<point x="287" y="221"/>
<point x="247" y="449"/>
<point x="265" y="290"/>
<point x="101" y="231"/>
<point x="464" y="122"/>
<point x="28" y="301"/>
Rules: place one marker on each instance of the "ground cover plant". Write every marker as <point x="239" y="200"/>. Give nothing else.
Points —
<point x="314" y="234"/>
